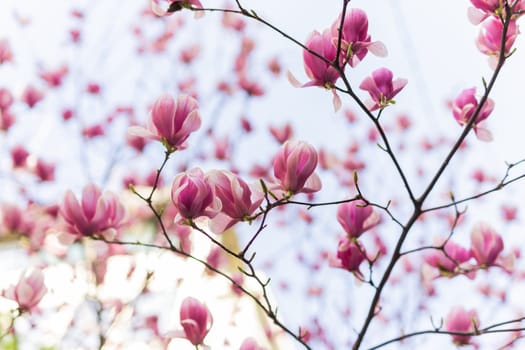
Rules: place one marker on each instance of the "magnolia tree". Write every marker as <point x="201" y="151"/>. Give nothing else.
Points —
<point x="140" y="209"/>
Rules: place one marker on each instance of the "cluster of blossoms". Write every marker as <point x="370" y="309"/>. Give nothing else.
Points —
<point x="226" y="198"/>
<point x="346" y="43"/>
<point x="355" y="218"/>
<point x="490" y="14"/>
<point x="221" y="195"/>
<point x="486" y="248"/>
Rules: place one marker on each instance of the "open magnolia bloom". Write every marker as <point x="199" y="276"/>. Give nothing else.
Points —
<point x="382" y="88"/>
<point x="355" y="40"/>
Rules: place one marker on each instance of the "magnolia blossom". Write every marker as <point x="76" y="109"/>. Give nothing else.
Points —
<point x="356" y="217"/>
<point x="355" y="40"/>
<point x="463" y="109"/>
<point x="489" y="38"/>
<point x="320" y="71"/>
<point x="382" y="88"/>
<point x="237" y="199"/>
<point x="486" y="245"/>
<point x="449" y="261"/>
<point x="95" y="214"/>
<point x="485" y="8"/>
<point x="294" y="166"/>
<point x="171" y="122"/>
<point x="350" y="255"/>
<point x="195" y="319"/>
<point x="28" y="291"/>
<point x="193" y="195"/>
<point x="461" y="321"/>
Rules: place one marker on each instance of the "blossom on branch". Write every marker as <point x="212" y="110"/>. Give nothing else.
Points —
<point x="237" y="199"/>
<point x="486" y="245"/>
<point x="496" y="8"/>
<point x="357" y="217"/>
<point x="450" y="260"/>
<point x="95" y="214"/>
<point x="196" y="321"/>
<point x="461" y="321"/>
<point x="355" y="40"/>
<point x="193" y="196"/>
<point x="382" y="88"/>
<point x="463" y="109"/>
<point x="490" y="35"/>
<point x="29" y="290"/>
<point x="294" y="166"/>
<point x="350" y="255"/>
<point x="171" y="122"/>
<point x="320" y="70"/>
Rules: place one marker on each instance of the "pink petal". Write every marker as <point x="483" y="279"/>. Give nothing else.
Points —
<point x="378" y="48"/>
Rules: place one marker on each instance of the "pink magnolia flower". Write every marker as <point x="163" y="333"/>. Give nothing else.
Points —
<point x="355" y="40"/>
<point x="294" y="166"/>
<point x="29" y="290"/>
<point x="356" y="218"/>
<point x="382" y="88"/>
<point x="195" y="319"/>
<point x="461" y="321"/>
<point x="463" y="109"/>
<point x="450" y="263"/>
<point x="193" y="196"/>
<point x="320" y="72"/>
<point x="350" y="255"/>
<point x="95" y="214"/>
<point x="485" y="8"/>
<point x="238" y="200"/>
<point x="171" y="122"/>
<point x="489" y="38"/>
<point x="486" y="245"/>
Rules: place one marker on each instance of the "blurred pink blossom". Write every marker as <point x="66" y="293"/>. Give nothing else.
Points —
<point x="461" y="321"/>
<point x="28" y="291"/>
